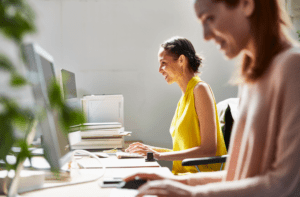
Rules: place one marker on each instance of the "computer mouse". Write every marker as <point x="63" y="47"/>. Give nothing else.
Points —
<point x="133" y="184"/>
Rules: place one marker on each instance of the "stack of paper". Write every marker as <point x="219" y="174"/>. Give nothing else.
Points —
<point x="104" y="135"/>
<point x="99" y="143"/>
<point x="98" y="129"/>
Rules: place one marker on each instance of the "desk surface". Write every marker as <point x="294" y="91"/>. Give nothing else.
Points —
<point x="114" y="162"/>
<point x="92" y="188"/>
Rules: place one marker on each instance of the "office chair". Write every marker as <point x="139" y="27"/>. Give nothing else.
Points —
<point x="226" y="130"/>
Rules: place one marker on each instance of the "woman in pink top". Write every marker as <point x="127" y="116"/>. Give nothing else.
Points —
<point x="264" y="154"/>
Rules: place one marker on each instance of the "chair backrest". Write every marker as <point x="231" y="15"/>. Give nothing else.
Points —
<point x="227" y="112"/>
<point x="226" y="129"/>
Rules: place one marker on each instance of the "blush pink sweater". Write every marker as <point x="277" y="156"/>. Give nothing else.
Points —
<point x="265" y="144"/>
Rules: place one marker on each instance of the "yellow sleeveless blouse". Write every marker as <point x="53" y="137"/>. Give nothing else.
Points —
<point x="185" y="130"/>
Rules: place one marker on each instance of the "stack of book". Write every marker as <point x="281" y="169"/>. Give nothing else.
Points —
<point x="104" y="135"/>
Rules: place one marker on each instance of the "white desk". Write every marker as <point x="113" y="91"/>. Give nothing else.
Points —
<point x="92" y="189"/>
<point x="114" y="162"/>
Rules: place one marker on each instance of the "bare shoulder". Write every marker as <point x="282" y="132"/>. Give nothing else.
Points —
<point x="204" y="103"/>
<point x="201" y="87"/>
<point x="202" y="90"/>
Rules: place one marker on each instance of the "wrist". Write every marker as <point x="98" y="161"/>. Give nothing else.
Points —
<point x="182" y="179"/>
<point x="157" y="155"/>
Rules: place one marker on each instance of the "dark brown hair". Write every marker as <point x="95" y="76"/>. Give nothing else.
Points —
<point x="177" y="46"/>
<point x="268" y="23"/>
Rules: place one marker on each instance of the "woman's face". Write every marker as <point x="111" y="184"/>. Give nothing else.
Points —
<point x="168" y="67"/>
<point x="228" y="27"/>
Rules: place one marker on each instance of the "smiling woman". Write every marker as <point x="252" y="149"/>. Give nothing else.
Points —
<point x="217" y="19"/>
<point x="243" y="17"/>
<point x="195" y="128"/>
<point x="264" y="148"/>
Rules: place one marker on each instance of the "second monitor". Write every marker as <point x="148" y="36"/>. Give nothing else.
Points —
<point x="68" y="84"/>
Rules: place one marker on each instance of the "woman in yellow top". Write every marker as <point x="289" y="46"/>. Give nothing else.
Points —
<point x="195" y="126"/>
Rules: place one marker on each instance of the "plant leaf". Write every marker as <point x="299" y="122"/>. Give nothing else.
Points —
<point x="24" y="153"/>
<point x="67" y="115"/>
<point x="6" y="136"/>
<point x="5" y="63"/>
<point x="17" y="19"/>
<point x="17" y="80"/>
<point x="55" y="93"/>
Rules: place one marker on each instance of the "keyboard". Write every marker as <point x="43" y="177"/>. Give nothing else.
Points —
<point x="124" y="155"/>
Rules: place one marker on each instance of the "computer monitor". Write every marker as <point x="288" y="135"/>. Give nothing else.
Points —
<point x="41" y="72"/>
<point x="68" y="84"/>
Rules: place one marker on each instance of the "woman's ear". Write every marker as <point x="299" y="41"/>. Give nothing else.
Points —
<point x="182" y="60"/>
<point x="248" y="7"/>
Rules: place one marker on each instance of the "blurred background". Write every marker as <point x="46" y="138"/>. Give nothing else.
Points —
<point x="112" y="46"/>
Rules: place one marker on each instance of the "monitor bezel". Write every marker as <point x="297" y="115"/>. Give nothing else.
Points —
<point x="50" y="138"/>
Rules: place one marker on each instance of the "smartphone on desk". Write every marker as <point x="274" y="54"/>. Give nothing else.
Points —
<point x="111" y="182"/>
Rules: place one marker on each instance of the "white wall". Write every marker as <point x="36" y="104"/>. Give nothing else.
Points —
<point x="112" y="46"/>
<point x="293" y="9"/>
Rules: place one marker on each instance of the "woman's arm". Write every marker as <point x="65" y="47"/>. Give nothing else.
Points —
<point x="194" y="152"/>
<point x="205" y="109"/>
<point x="191" y="179"/>
<point x="178" y="186"/>
<point x="141" y="148"/>
<point x="204" y="178"/>
<point x="159" y="149"/>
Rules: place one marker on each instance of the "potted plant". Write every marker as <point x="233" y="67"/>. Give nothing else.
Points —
<point x="17" y="20"/>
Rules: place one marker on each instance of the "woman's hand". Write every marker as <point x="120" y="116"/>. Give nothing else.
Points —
<point x="165" y="188"/>
<point x="142" y="149"/>
<point x="155" y="177"/>
<point x="145" y="176"/>
<point x="136" y="147"/>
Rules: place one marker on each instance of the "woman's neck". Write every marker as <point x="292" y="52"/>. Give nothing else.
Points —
<point x="183" y="82"/>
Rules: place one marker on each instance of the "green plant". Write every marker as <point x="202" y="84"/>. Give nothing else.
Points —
<point x="298" y="32"/>
<point x="67" y="115"/>
<point x="17" y="20"/>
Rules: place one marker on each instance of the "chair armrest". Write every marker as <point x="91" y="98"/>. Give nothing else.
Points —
<point x="204" y="160"/>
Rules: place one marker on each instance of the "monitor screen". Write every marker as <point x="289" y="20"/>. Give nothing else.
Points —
<point x="69" y="84"/>
<point x="41" y="72"/>
<point x="48" y="71"/>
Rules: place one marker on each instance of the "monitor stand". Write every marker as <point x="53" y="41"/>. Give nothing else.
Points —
<point x="13" y="188"/>
<point x="28" y="180"/>
<point x="76" y="175"/>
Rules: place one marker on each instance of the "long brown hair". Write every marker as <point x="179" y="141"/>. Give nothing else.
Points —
<point x="269" y="22"/>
